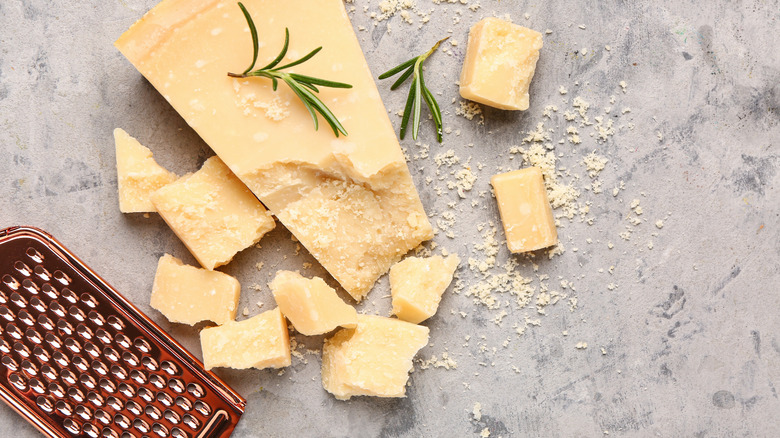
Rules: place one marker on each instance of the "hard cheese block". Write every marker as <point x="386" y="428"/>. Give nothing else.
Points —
<point x="189" y="295"/>
<point x="500" y="63"/>
<point x="349" y="200"/>
<point x="259" y="342"/>
<point x="138" y="175"/>
<point x="373" y="359"/>
<point x="525" y="211"/>
<point x="311" y="305"/>
<point x="213" y="213"/>
<point x="417" y="284"/>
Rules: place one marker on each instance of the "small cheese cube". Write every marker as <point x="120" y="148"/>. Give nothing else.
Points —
<point x="258" y="342"/>
<point x="373" y="359"/>
<point x="417" y="285"/>
<point x="500" y="63"/>
<point x="189" y="295"/>
<point x="213" y="213"/>
<point x="525" y="211"/>
<point x="311" y="305"/>
<point x="138" y="175"/>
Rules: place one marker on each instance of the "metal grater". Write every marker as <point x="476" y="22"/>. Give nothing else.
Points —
<point x="79" y="360"/>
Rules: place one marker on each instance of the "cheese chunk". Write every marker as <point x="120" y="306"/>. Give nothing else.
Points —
<point x="213" y="213"/>
<point x="138" y="175"/>
<point x="311" y="305"/>
<point x="417" y="284"/>
<point x="373" y="359"/>
<point x="189" y="295"/>
<point x="349" y="200"/>
<point x="525" y="211"/>
<point x="258" y="342"/>
<point x="500" y="63"/>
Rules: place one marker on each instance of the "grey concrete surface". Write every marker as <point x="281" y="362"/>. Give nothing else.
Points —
<point x="689" y="329"/>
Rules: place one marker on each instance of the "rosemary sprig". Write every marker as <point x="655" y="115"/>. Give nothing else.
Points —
<point x="303" y="86"/>
<point x="417" y="93"/>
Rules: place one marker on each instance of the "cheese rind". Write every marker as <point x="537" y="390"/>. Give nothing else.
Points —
<point x="525" y="210"/>
<point x="138" y="175"/>
<point x="349" y="200"/>
<point x="500" y="63"/>
<point x="213" y="213"/>
<point x="189" y="295"/>
<point x="259" y="342"/>
<point x="373" y="359"/>
<point x="311" y="305"/>
<point x="417" y="284"/>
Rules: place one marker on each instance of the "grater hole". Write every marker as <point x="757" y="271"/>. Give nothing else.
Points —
<point x="141" y="425"/>
<point x="89" y="300"/>
<point x="73" y="345"/>
<point x="178" y="433"/>
<point x="122" y="421"/>
<point x="153" y="412"/>
<point x="25" y="317"/>
<point x="45" y="322"/>
<point x="29" y="368"/>
<point x="18" y="381"/>
<point x="107" y="385"/>
<point x="190" y="421"/>
<point x="80" y="363"/>
<point x="37" y="304"/>
<point x="130" y="358"/>
<point x="4" y="346"/>
<point x="146" y="394"/>
<point x="45" y="403"/>
<point x="41" y="272"/>
<point x="37" y="386"/>
<point x="171" y="416"/>
<point x="69" y="295"/>
<point x="71" y="426"/>
<point x="169" y="367"/>
<point x="157" y="381"/>
<point x="88" y="381"/>
<point x="41" y="354"/>
<point x="127" y="390"/>
<point x="83" y="412"/>
<point x="202" y="408"/>
<point x="110" y="354"/>
<point x="177" y="386"/>
<point x="18" y="300"/>
<point x="99" y="367"/>
<point x="184" y="403"/>
<point x="118" y="372"/>
<point x="114" y="322"/>
<point x="68" y="377"/>
<point x="22" y="268"/>
<point x="30" y="286"/>
<point x="128" y="435"/>
<point x="56" y="390"/>
<point x="64" y="327"/>
<point x="150" y="363"/>
<point x="84" y="331"/>
<point x="109" y="433"/>
<point x="160" y="430"/>
<point x="91" y="430"/>
<point x="142" y="345"/>
<point x="7" y="314"/>
<point x="77" y="313"/>
<point x="53" y="340"/>
<point x="57" y="308"/>
<point x="114" y="403"/>
<point x="134" y="407"/>
<point x="64" y="407"/>
<point x="102" y="416"/>
<point x="75" y="394"/>
<point x="3" y="297"/>
<point x="22" y="349"/>
<point x="34" y="255"/>
<point x="123" y="341"/>
<point x="62" y="277"/>
<point x="92" y="350"/>
<point x="103" y="336"/>
<point x="11" y="282"/>
<point x="96" y="318"/>
<point x="33" y="335"/>
<point x="138" y="376"/>
<point x="196" y="390"/>
<point x="10" y="363"/>
<point x="50" y="291"/>
<point x="48" y="372"/>
<point x="96" y="399"/>
<point x="165" y="399"/>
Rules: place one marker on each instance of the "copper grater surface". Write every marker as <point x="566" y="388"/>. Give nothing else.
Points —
<point x="79" y="360"/>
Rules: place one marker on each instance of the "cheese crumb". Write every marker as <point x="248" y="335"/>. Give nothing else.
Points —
<point x="659" y="224"/>
<point x="581" y="345"/>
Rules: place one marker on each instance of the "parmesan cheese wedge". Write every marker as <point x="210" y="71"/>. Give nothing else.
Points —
<point x="349" y="200"/>
<point x="417" y="284"/>
<point x="138" y="175"/>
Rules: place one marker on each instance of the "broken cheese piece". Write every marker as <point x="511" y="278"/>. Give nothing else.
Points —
<point x="500" y="63"/>
<point x="213" y="213"/>
<point x="259" y="342"/>
<point x="189" y="295"/>
<point x="138" y="175"/>
<point x="349" y="200"/>
<point x="311" y="305"/>
<point x="373" y="359"/>
<point x="525" y="211"/>
<point x="417" y="284"/>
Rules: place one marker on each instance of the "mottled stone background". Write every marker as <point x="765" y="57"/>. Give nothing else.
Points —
<point x="691" y="331"/>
